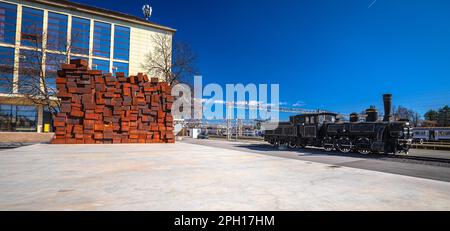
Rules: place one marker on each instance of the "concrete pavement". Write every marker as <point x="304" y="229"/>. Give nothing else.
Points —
<point x="185" y="176"/>
<point x="381" y="163"/>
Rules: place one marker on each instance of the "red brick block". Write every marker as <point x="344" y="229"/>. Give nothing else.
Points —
<point x="76" y="113"/>
<point x="79" y="62"/>
<point x="68" y="66"/>
<point x="97" y="108"/>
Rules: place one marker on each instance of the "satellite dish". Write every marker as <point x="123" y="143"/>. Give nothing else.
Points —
<point x="147" y="11"/>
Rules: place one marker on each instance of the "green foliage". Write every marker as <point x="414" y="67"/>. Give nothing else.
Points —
<point x="431" y="115"/>
<point x="442" y="116"/>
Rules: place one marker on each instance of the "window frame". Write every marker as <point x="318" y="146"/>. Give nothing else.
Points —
<point x="63" y="32"/>
<point x="98" y="43"/>
<point x="12" y="21"/>
<point x="88" y="37"/>
<point x="122" y="58"/>
<point x="23" y="42"/>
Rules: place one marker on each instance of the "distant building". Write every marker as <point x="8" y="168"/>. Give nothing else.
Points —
<point x="110" y="41"/>
<point x="429" y="123"/>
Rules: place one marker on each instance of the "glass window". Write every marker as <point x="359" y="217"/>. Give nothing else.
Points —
<point x="102" y="39"/>
<point x="102" y="65"/>
<point x="26" y="119"/>
<point x="80" y="36"/>
<point x="8" y="16"/>
<point x="18" y="118"/>
<point x="32" y="22"/>
<point x="321" y="119"/>
<point x="52" y="65"/>
<point x="29" y="72"/>
<point x="6" y="113"/>
<point x="120" y="67"/>
<point x="57" y="31"/>
<point x="6" y="69"/>
<point x="121" y="43"/>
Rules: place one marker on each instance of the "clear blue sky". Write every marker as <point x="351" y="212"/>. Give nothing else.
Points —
<point x="339" y="55"/>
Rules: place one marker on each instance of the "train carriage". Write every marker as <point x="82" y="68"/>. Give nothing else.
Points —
<point x="431" y="134"/>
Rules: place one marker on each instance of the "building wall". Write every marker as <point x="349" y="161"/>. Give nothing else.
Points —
<point x="140" y="45"/>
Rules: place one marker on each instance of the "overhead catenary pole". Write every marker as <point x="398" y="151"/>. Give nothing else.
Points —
<point x="228" y="122"/>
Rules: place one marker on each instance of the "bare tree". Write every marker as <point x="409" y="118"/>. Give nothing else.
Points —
<point x="401" y="112"/>
<point x="173" y="63"/>
<point x="37" y="66"/>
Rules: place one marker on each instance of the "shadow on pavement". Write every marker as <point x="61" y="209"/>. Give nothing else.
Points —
<point x="308" y="151"/>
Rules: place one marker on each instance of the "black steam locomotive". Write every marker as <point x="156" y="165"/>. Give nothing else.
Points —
<point x="324" y="130"/>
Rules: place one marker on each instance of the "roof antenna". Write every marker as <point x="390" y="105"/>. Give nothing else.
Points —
<point x="147" y="11"/>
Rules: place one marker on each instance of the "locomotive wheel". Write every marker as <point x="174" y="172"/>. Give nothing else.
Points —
<point x="344" y="145"/>
<point x="328" y="148"/>
<point x="301" y="146"/>
<point x="292" y="145"/>
<point x="276" y="144"/>
<point x="363" y="146"/>
<point x="328" y="144"/>
<point x="364" y="151"/>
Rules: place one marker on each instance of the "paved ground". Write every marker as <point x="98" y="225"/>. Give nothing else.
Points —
<point x="186" y="176"/>
<point x="387" y="164"/>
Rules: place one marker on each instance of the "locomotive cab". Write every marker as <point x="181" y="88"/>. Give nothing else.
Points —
<point x="310" y="127"/>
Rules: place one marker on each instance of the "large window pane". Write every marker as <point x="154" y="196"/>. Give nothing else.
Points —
<point x="32" y="22"/>
<point x="6" y="69"/>
<point x="102" y="39"/>
<point x="80" y="36"/>
<point x="57" y="32"/>
<point x="102" y="65"/>
<point x="26" y="119"/>
<point x="52" y="65"/>
<point x="120" y="67"/>
<point x="6" y="114"/>
<point x="121" y="43"/>
<point x="18" y="118"/>
<point x="29" y="72"/>
<point x="8" y="16"/>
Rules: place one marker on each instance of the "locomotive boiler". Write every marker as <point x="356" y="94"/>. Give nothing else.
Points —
<point x="323" y="129"/>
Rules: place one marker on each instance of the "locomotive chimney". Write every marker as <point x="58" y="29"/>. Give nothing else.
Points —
<point x="387" y="100"/>
<point x="354" y="117"/>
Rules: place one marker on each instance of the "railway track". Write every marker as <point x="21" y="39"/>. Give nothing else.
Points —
<point x="422" y="158"/>
<point x="445" y="162"/>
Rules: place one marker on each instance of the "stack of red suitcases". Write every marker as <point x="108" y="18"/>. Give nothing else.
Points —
<point x="100" y="108"/>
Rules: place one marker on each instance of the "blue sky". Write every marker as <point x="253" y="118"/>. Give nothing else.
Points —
<point x="339" y="55"/>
